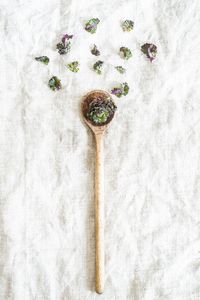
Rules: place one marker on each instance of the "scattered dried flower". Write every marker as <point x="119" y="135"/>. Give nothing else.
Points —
<point x="95" y="51"/>
<point x="43" y="59"/>
<point x="120" y="69"/>
<point x="150" y="50"/>
<point x="73" y="66"/>
<point x="121" y="90"/>
<point x="97" y="67"/>
<point x="127" y="25"/>
<point x="65" y="45"/>
<point x="54" y="83"/>
<point x="125" y="53"/>
<point x="91" y="25"/>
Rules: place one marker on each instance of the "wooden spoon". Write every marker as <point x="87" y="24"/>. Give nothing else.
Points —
<point x="98" y="131"/>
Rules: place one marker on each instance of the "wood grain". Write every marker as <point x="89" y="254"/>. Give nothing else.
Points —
<point x="99" y="213"/>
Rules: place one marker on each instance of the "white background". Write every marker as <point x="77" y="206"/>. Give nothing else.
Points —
<point x="152" y="152"/>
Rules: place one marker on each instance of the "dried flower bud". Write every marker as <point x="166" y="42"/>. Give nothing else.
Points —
<point x="43" y="59"/>
<point x="150" y="50"/>
<point x="121" y="90"/>
<point x="54" y="83"/>
<point x="91" y="25"/>
<point x="97" y="67"/>
<point x="127" y="25"/>
<point x="125" y="53"/>
<point x="73" y="66"/>
<point x="65" y="45"/>
<point x="120" y="69"/>
<point x="95" y="51"/>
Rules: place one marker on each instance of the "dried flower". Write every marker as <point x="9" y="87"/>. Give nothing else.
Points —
<point x="121" y="90"/>
<point x="95" y="51"/>
<point x="125" y="53"/>
<point x="127" y="25"/>
<point x="98" y="66"/>
<point x="73" y="66"/>
<point x="54" y="83"/>
<point x="100" y="110"/>
<point x="91" y="25"/>
<point x="150" y="50"/>
<point x="65" y="45"/>
<point x="43" y="59"/>
<point x="66" y="37"/>
<point x="120" y="69"/>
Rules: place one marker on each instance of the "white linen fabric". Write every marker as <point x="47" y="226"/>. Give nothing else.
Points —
<point x="152" y="152"/>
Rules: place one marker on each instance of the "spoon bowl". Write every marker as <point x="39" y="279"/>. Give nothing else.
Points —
<point x="87" y="99"/>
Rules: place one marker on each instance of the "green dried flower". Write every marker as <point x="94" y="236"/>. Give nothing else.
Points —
<point x="95" y="51"/>
<point x="54" y="83"/>
<point x="126" y="88"/>
<point x="127" y="25"/>
<point x="121" y="90"/>
<point x="120" y="69"/>
<point x="100" y="117"/>
<point x="63" y="49"/>
<point x="97" y="67"/>
<point x="73" y="66"/>
<point x="91" y="25"/>
<point x="150" y="50"/>
<point x="125" y="53"/>
<point x="43" y="59"/>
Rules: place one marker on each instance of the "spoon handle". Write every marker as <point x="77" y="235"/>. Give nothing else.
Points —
<point x="99" y="213"/>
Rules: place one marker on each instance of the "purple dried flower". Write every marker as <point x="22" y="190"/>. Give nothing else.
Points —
<point x="66" y="37"/>
<point x="65" y="45"/>
<point x="95" y="51"/>
<point x="150" y="50"/>
<point x="116" y="91"/>
<point x="121" y="90"/>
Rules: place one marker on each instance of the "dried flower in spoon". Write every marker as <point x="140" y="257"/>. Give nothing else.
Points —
<point x="101" y="110"/>
<point x="91" y="25"/>
<point x="43" y="59"/>
<point x="150" y="50"/>
<point x="65" y="45"/>
<point x="97" y="67"/>
<point x="127" y="25"/>
<point x="120" y="69"/>
<point x="125" y="53"/>
<point x="95" y="51"/>
<point x="73" y="66"/>
<point x="121" y="90"/>
<point x="54" y="83"/>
